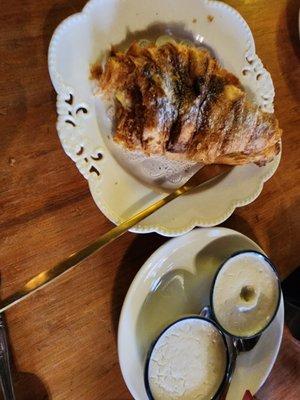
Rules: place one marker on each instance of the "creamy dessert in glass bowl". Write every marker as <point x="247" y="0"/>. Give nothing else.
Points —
<point x="188" y="360"/>
<point x="245" y="294"/>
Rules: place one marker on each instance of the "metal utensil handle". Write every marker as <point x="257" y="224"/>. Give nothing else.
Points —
<point x="230" y="372"/>
<point x="206" y="312"/>
<point x="5" y="371"/>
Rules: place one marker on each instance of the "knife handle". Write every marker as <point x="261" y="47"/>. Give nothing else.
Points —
<point x="5" y="371"/>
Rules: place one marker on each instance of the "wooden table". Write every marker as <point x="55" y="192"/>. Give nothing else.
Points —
<point x="64" y="337"/>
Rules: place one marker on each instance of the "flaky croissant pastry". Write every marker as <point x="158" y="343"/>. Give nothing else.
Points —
<point x="175" y="100"/>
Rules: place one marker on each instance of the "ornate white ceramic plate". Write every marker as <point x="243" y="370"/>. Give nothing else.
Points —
<point x="118" y="192"/>
<point x="175" y="281"/>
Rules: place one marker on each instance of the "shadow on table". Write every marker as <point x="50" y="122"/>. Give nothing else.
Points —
<point x="14" y="106"/>
<point x="288" y="49"/>
<point x="283" y="232"/>
<point x="27" y="386"/>
<point x="56" y="14"/>
<point x="284" y="382"/>
<point x="239" y="224"/>
<point x="140" y="249"/>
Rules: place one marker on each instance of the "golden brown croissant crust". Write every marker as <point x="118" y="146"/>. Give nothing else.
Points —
<point x="176" y="100"/>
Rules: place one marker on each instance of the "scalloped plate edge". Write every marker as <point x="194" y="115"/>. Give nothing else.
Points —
<point x="59" y="86"/>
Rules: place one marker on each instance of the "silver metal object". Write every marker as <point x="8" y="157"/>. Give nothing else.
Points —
<point x="5" y="371"/>
<point x="238" y="345"/>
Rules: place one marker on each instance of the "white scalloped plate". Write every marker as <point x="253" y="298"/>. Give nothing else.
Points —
<point x="77" y="43"/>
<point x="186" y="266"/>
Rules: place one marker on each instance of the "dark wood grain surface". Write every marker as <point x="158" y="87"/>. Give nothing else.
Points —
<point x="64" y="337"/>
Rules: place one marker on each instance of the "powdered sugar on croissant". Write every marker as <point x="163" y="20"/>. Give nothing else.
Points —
<point x="176" y="100"/>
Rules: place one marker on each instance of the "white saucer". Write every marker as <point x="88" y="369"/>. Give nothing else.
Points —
<point x="123" y="185"/>
<point x="176" y="281"/>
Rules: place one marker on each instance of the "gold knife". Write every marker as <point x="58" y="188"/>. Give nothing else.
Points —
<point x="205" y="174"/>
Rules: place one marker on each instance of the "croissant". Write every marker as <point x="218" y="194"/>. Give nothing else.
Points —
<point x="176" y="100"/>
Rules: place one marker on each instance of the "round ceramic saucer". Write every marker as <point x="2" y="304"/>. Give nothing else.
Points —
<point x="85" y="131"/>
<point x="175" y="281"/>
